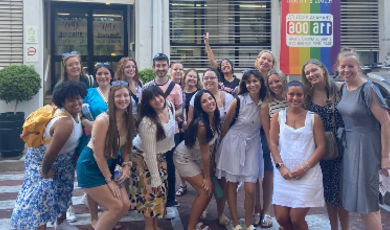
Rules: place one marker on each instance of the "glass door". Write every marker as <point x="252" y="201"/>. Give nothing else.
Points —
<point x="97" y="32"/>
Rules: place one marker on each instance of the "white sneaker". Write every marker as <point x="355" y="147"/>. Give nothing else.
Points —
<point x="171" y="214"/>
<point x="85" y="201"/>
<point x="70" y="216"/>
<point x="65" y="226"/>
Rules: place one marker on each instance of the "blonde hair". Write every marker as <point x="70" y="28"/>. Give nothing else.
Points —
<point x="347" y="52"/>
<point x="64" y="74"/>
<point x="330" y="87"/>
<point x="198" y="82"/>
<point x="282" y="78"/>
<point x="266" y="51"/>
<point x="120" y="70"/>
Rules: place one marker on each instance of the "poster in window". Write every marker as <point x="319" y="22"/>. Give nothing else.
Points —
<point x="71" y="32"/>
<point x="108" y="33"/>
<point x="310" y="29"/>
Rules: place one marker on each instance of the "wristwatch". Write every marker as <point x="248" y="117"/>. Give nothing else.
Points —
<point x="279" y="165"/>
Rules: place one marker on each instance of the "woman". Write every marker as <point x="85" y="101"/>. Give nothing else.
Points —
<point x="192" y="156"/>
<point x="210" y="82"/>
<point x="265" y="61"/>
<point x="228" y="82"/>
<point x="48" y="185"/>
<point x="365" y="139"/>
<point x="322" y="98"/>
<point x="156" y="129"/>
<point x="72" y="70"/>
<point x="297" y="143"/>
<point x="97" y="102"/>
<point x="240" y="156"/>
<point x="112" y="131"/>
<point x="177" y="72"/>
<point x="127" y="70"/>
<point x="190" y="85"/>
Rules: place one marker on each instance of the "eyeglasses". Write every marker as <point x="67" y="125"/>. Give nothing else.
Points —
<point x="247" y="70"/>
<point x="64" y="55"/>
<point x="210" y="78"/>
<point x="118" y="83"/>
<point x="99" y="64"/>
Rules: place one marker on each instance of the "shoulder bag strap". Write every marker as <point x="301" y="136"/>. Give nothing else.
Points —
<point x="170" y="88"/>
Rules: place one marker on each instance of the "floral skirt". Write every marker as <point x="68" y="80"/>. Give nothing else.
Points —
<point x="142" y="198"/>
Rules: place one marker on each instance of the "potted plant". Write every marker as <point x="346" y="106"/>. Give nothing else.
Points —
<point x="147" y="75"/>
<point x="17" y="83"/>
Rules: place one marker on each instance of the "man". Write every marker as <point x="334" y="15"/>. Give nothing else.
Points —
<point x="173" y="93"/>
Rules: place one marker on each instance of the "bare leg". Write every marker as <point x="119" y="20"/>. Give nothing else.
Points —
<point x="42" y="227"/>
<point x="372" y="220"/>
<point x="93" y="210"/>
<point x="297" y="217"/>
<point x="149" y="223"/>
<point x="268" y="187"/>
<point x="201" y="200"/>
<point x="344" y="218"/>
<point x="61" y="218"/>
<point x="257" y="197"/>
<point x="115" y="208"/>
<point x="249" y="202"/>
<point x="282" y="215"/>
<point x="222" y="201"/>
<point x="332" y="214"/>
<point x="232" y="201"/>
<point x="182" y="182"/>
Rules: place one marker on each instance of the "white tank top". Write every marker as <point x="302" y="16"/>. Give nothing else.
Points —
<point x="73" y="140"/>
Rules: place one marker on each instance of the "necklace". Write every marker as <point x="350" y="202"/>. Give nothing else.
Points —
<point x="102" y="95"/>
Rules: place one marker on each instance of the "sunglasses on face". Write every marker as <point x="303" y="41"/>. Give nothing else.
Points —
<point x="118" y="83"/>
<point x="64" y="55"/>
<point x="99" y="64"/>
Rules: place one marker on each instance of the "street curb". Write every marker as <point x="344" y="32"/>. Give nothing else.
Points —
<point x="12" y="165"/>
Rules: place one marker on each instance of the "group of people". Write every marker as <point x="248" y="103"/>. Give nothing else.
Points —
<point x="217" y="132"/>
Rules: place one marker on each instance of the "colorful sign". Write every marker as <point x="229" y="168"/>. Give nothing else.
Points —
<point x="309" y="29"/>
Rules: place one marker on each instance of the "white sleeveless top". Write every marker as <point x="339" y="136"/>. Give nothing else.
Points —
<point x="73" y="140"/>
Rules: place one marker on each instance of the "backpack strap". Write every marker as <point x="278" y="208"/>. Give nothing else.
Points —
<point x="170" y="88"/>
<point x="47" y="141"/>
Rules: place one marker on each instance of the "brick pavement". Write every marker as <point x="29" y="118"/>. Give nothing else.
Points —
<point x="10" y="183"/>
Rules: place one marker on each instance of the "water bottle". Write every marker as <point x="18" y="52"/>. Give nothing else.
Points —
<point x="86" y="112"/>
<point x="118" y="174"/>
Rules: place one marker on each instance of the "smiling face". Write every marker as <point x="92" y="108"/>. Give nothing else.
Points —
<point x="161" y="68"/>
<point x="122" y="98"/>
<point x="157" y="102"/>
<point x="130" y="69"/>
<point x="226" y="67"/>
<point x="253" y="85"/>
<point x="103" y="76"/>
<point x="72" y="68"/>
<point x="177" y="72"/>
<point x="295" y="96"/>
<point x="314" y="74"/>
<point x="191" y="79"/>
<point x="208" y="103"/>
<point x="265" y="62"/>
<point x="73" y="105"/>
<point x="275" y="84"/>
<point x="210" y="81"/>
<point x="348" y="68"/>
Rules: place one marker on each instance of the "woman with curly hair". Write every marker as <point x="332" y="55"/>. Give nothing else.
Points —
<point x="127" y="70"/>
<point x="112" y="131"/>
<point x="48" y="185"/>
<point x="192" y="156"/>
<point x="156" y="129"/>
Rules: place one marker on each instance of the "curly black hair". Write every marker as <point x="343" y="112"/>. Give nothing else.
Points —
<point x="69" y="90"/>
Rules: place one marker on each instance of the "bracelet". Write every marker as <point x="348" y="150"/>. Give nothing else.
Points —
<point x="127" y="163"/>
<point x="207" y="178"/>
<point x="308" y="165"/>
<point x="108" y="179"/>
<point x="303" y="168"/>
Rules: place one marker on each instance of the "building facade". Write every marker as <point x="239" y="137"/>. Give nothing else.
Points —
<point x="38" y="32"/>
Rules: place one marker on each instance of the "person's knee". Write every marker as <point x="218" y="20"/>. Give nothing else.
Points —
<point x="282" y="218"/>
<point x="126" y="205"/>
<point x="205" y="194"/>
<point x="116" y="207"/>
<point x="297" y="221"/>
<point x="250" y="191"/>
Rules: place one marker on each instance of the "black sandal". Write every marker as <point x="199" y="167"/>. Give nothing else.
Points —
<point x="181" y="191"/>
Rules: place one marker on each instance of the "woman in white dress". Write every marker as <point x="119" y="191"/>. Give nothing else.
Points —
<point x="297" y="143"/>
<point x="241" y="155"/>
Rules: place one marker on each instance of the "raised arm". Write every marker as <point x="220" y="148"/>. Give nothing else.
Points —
<point x="209" y="51"/>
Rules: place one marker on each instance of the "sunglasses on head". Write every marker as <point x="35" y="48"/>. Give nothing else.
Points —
<point x="99" y="64"/>
<point x="64" y="55"/>
<point x="247" y="70"/>
<point x="160" y="55"/>
<point x="118" y="83"/>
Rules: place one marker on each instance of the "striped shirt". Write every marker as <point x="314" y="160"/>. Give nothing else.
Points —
<point x="276" y="106"/>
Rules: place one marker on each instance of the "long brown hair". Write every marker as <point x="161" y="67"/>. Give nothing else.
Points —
<point x="64" y="74"/>
<point x="120" y="70"/>
<point x="112" y="138"/>
<point x="198" y="83"/>
<point x="330" y="87"/>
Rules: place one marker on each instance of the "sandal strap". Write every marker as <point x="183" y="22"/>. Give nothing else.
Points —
<point x="238" y="227"/>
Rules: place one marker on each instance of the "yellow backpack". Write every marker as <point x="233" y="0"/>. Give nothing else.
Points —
<point x="35" y="125"/>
